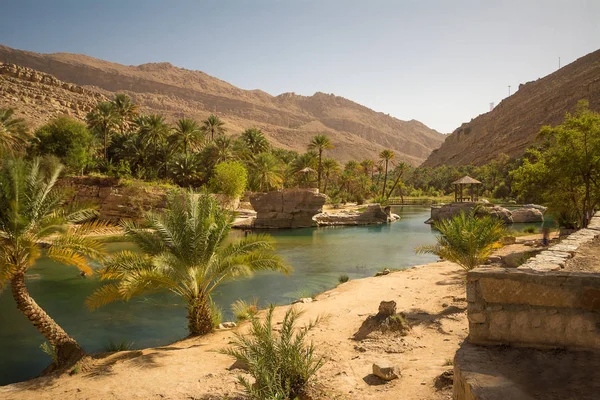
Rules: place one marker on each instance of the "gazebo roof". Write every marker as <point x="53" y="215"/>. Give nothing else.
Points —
<point x="466" y="180"/>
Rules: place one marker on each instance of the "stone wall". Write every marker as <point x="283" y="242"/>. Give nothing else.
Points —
<point x="537" y="305"/>
<point x="287" y="208"/>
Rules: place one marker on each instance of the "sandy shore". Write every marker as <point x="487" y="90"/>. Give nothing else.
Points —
<point x="432" y="296"/>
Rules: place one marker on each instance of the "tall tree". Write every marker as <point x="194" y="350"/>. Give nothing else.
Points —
<point x="125" y="110"/>
<point x="368" y="167"/>
<point x="13" y="132"/>
<point x="320" y="143"/>
<point x="187" y="135"/>
<point x="34" y="214"/>
<point x="153" y="132"/>
<point x="255" y="141"/>
<point x="103" y="121"/>
<point x="565" y="171"/>
<point x="213" y="126"/>
<point x="386" y="156"/>
<point x="266" y="172"/>
<point x="186" y="251"/>
<point x="330" y="167"/>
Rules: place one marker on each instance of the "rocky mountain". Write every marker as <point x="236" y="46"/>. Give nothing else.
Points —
<point x="40" y="86"/>
<point x="513" y="124"/>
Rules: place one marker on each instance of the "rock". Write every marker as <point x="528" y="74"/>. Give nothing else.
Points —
<point x="536" y="207"/>
<point x="384" y="272"/>
<point x="444" y="380"/>
<point x="373" y="215"/>
<point x="303" y="300"/>
<point x="386" y="373"/>
<point x="287" y="209"/>
<point x="387" y="308"/>
<point x="448" y="211"/>
<point x="526" y="214"/>
<point x="229" y="324"/>
<point x="507" y="240"/>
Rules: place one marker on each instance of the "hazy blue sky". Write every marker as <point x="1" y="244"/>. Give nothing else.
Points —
<point x="440" y="62"/>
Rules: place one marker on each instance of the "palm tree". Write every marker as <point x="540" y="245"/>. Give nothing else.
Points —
<point x="221" y="150"/>
<point x="304" y="167"/>
<point x="153" y="131"/>
<point x="386" y="156"/>
<point x="186" y="251"/>
<point x="255" y="141"/>
<point x="214" y="126"/>
<point x="34" y="214"/>
<point x="330" y="167"/>
<point x="320" y="143"/>
<point x="266" y="171"/>
<point x="125" y="110"/>
<point x="466" y="239"/>
<point x="103" y="120"/>
<point x="368" y="167"/>
<point x="187" y="134"/>
<point x="13" y="132"/>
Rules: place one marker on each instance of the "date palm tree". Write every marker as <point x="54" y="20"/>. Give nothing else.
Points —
<point x="103" y="120"/>
<point x="34" y="214"/>
<point x="386" y="156"/>
<point x="255" y="141"/>
<point x="330" y="167"/>
<point x="13" y="132"/>
<point x="126" y="111"/>
<point x="185" y="252"/>
<point x="466" y="239"/>
<point x="154" y="131"/>
<point x="214" y="126"/>
<point x="266" y="172"/>
<point x="320" y="143"/>
<point x="368" y="167"/>
<point x="187" y="135"/>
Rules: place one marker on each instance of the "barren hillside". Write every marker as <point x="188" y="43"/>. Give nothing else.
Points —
<point x="40" y="86"/>
<point x="514" y="124"/>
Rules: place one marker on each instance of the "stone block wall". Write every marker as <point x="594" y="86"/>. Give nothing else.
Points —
<point x="537" y="305"/>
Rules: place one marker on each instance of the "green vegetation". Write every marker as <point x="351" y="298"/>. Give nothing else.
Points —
<point x="123" y="345"/>
<point x="565" y="170"/>
<point x="13" y="132"/>
<point x="230" y="178"/>
<point x="320" y="143"/>
<point x="50" y="351"/>
<point x="530" y="229"/>
<point x="281" y="364"/>
<point x="34" y="213"/>
<point x="185" y="252"/>
<point x="243" y="310"/>
<point x="466" y="239"/>
<point x="343" y="278"/>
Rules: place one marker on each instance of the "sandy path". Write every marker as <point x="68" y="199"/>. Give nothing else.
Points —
<point x="432" y="296"/>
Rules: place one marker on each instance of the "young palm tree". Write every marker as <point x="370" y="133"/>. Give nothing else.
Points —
<point x="13" y="132"/>
<point x="255" y="141"/>
<point x="33" y="214"/>
<point x="187" y="135"/>
<point x="185" y="252"/>
<point x="221" y="150"/>
<point x="320" y="143"/>
<point x="214" y="126"/>
<point x="303" y="167"/>
<point x="367" y="167"/>
<point x="125" y="110"/>
<point x="386" y="156"/>
<point x="103" y="120"/>
<point x="154" y="131"/>
<point x="266" y="172"/>
<point x="330" y="167"/>
<point x="466" y="239"/>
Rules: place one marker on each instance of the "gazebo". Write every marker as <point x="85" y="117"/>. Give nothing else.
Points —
<point x="472" y="185"/>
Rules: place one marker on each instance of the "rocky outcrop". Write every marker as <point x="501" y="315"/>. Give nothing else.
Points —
<point x="373" y="215"/>
<point x="287" y="209"/>
<point x="115" y="201"/>
<point x="527" y="214"/>
<point x="448" y="211"/>
<point x="513" y="125"/>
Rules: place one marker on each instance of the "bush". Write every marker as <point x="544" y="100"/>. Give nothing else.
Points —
<point x="123" y="345"/>
<point x="343" y="278"/>
<point x="530" y="229"/>
<point x="243" y="310"/>
<point x="281" y="364"/>
<point x="229" y="178"/>
<point x="50" y="350"/>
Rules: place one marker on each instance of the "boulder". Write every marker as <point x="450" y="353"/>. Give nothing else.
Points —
<point x="287" y="209"/>
<point x="386" y="373"/>
<point x="527" y="214"/>
<point x="387" y="308"/>
<point x="448" y="211"/>
<point x="373" y="215"/>
<point x="537" y="207"/>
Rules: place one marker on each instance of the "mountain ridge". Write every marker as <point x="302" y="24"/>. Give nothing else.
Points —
<point x="356" y="130"/>
<point x="514" y="123"/>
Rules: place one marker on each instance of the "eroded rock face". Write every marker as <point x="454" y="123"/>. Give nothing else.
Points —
<point x="374" y="214"/>
<point x="527" y="214"/>
<point x="448" y="211"/>
<point x="287" y="209"/>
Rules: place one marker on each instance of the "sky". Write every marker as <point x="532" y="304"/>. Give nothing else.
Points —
<point x="440" y="62"/>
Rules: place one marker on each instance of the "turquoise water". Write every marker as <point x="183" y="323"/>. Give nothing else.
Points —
<point x="319" y="256"/>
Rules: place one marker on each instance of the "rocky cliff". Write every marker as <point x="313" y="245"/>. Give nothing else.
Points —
<point x="293" y="208"/>
<point x="288" y="120"/>
<point x="513" y="124"/>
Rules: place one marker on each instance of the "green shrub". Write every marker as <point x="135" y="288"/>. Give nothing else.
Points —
<point x="243" y="310"/>
<point x="530" y="229"/>
<point x="123" y="345"/>
<point x="281" y="364"/>
<point x="216" y="314"/>
<point x="50" y="351"/>
<point x="230" y="178"/>
<point x="343" y="278"/>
